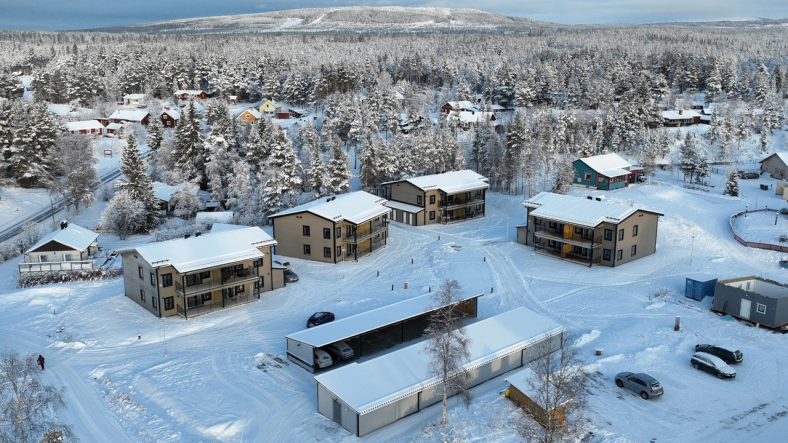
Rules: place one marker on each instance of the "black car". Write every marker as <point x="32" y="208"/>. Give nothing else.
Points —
<point x="712" y="364"/>
<point x="728" y="355"/>
<point x="319" y="318"/>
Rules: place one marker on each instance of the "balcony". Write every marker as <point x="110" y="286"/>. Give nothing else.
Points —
<point x="246" y="275"/>
<point x="360" y="253"/>
<point x="207" y="308"/>
<point x="454" y="203"/>
<point x="365" y="232"/>
<point x="568" y="256"/>
<point x="56" y="266"/>
<point x="446" y="219"/>
<point x="575" y="239"/>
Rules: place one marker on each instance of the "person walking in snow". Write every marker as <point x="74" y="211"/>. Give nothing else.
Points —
<point x="40" y="361"/>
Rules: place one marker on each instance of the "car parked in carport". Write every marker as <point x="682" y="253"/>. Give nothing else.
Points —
<point x="642" y="384"/>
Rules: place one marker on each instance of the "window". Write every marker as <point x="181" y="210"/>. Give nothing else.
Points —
<point x="257" y="263"/>
<point x="139" y="269"/>
<point x="169" y="303"/>
<point x="587" y="177"/>
<point x="578" y="230"/>
<point x="537" y="221"/>
<point x="432" y="215"/>
<point x="206" y="296"/>
<point x="537" y="239"/>
<point x="206" y="275"/>
<point x="327" y="252"/>
<point x="305" y="230"/>
<point x="152" y="279"/>
<point x="635" y="231"/>
<point x="606" y="253"/>
<point x="608" y="234"/>
<point x="338" y="232"/>
<point x="192" y="301"/>
<point x="619" y="254"/>
<point x="552" y="224"/>
<point x="326" y="232"/>
<point x="760" y="307"/>
<point x="67" y="257"/>
<point x="166" y="280"/>
<point x="620" y="234"/>
<point x="260" y="283"/>
<point x="307" y="250"/>
<point x="419" y="200"/>
<point x="432" y="199"/>
<point x="634" y="250"/>
<point x="43" y="259"/>
<point x="153" y="300"/>
<point x="339" y="251"/>
<point x="142" y="295"/>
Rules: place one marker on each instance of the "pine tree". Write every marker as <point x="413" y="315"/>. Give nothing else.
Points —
<point x="285" y="162"/>
<point x="369" y="157"/>
<point x="339" y="171"/>
<point x="564" y="175"/>
<point x="189" y="152"/>
<point x="137" y="182"/>
<point x="732" y="185"/>
<point x="155" y="134"/>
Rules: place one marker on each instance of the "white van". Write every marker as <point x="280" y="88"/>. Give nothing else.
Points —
<point x="340" y="350"/>
<point x="322" y="359"/>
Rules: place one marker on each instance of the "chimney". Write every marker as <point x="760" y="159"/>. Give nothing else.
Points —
<point x="63" y="224"/>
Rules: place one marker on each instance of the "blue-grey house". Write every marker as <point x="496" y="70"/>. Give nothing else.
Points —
<point x="606" y="172"/>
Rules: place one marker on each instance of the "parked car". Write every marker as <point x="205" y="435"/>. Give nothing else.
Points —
<point x="748" y="175"/>
<point x="322" y="359"/>
<point x="340" y="351"/>
<point x="712" y="364"/>
<point x="290" y="276"/>
<point x="319" y="318"/>
<point x="643" y="384"/>
<point x="286" y="264"/>
<point x="728" y="355"/>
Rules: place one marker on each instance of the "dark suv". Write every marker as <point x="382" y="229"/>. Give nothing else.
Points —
<point x="728" y="355"/>
<point x="319" y="318"/>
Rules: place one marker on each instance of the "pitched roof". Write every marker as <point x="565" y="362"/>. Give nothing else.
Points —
<point x="674" y="115"/>
<point x="205" y="251"/>
<point x="132" y="115"/>
<point x="470" y="116"/>
<point x="175" y="113"/>
<point x="73" y="236"/>
<point x="449" y="182"/>
<point x="254" y="113"/>
<point x="783" y="156"/>
<point x="355" y="207"/>
<point x="189" y="91"/>
<point x="578" y="211"/>
<point x="133" y="96"/>
<point x="605" y="162"/>
<point x="84" y="125"/>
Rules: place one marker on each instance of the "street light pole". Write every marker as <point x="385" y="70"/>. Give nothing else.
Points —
<point x="692" y="249"/>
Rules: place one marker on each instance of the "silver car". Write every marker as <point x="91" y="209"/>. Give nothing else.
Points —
<point x="640" y="383"/>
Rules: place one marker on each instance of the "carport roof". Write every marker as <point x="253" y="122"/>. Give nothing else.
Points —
<point x="367" y="321"/>
<point x="388" y="378"/>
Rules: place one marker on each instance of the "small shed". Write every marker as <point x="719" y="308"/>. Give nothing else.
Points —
<point x="754" y="299"/>
<point x="521" y="391"/>
<point x="698" y="287"/>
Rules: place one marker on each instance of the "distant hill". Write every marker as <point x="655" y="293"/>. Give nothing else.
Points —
<point x="341" y="19"/>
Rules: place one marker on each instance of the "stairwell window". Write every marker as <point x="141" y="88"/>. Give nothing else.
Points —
<point x="634" y="250"/>
<point x="307" y="250"/>
<point x="142" y="295"/>
<point x="609" y="234"/>
<point x="620" y="234"/>
<point x="305" y="230"/>
<point x="619" y="254"/>
<point x="635" y="231"/>
<point x="606" y="254"/>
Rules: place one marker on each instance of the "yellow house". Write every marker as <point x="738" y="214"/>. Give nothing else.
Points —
<point x="250" y="116"/>
<point x="269" y="108"/>
<point x="199" y="274"/>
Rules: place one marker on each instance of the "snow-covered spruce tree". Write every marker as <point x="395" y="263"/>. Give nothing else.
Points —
<point x="155" y="133"/>
<point x="284" y="160"/>
<point x="369" y="159"/>
<point x="189" y="154"/>
<point x="218" y="168"/>
<point x="339" y="171"/>
<point x="447" y="345"/>
<point x="732" y="185"/>
<point x="123" y="215"/>
<point x="317" y="174"/>
<point x="137" y="182"/>
<point x="71" y="173"/>
<point x="186" y="201"/>
<point x="689" y="156"/>
<point x="238" y="185"/>
<point x="564" y="175"/>
<point x="516" y="139"/>
<point x="34" y="134"/>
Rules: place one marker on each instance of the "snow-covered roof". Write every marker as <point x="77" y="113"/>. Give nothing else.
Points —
<point x="213" y="217"/>
<point x="470" y="116"/>
<point x="189" y="92"/>
<point x="615" y="172"/>
<point x="175" y="113"/>
<point x="355" y="207"/>
<point x="273" y="103"/>
<point x="132" y="115"/>
<point x="163" y="191"/>
<point x="519" y="379"/>
<point x="73" y="236"/>
<point x="368" y="321"/>
<point x="578" y="211"/>
<point x="783" y="156"/>
<point x="205" y="251"/>
<point x="133" y="96"/>
<point x="605" y="162"/>
<point x="403" y="206"/>
<point x="255" y="113"/>
<point x="114" y="126"/>
<point x="84" y="125"/>
<point x="449" y="182"/>
<point x="373" y="383"/>
<point x="674" y="115"/>
<point x="223" y="227"/>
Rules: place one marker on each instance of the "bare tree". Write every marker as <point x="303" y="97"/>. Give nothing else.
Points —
<point x="72" y="174"/>
<point x="447" y="344"/>
<point x="26" y="404"/>
<point x="559" y="386"/>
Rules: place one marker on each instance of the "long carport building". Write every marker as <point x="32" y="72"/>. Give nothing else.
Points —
<point x="374" y="330"/>
<point x="364" y="397"/>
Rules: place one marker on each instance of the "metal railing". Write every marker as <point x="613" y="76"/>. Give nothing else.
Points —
<point x="458" y="203"/>
<point x="360" y="235"/>
<point x="568" y="256"/>
<point x="56" y="266"/>
<point x="575" y="239"/>
<point x="207" y="308"/>
<point x="366" y="251"/>
<point x="446" y="219"/>
<point x="212" y="285"/>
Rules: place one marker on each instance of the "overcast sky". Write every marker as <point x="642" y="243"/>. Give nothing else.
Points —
<point x="81" y="14"/>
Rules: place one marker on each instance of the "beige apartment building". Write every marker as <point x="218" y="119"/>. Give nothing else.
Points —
<point x="199" y="274"/>
<point x="439" y="198"/>
<point x="333" y="229"/>
<point x="588" y="231"/>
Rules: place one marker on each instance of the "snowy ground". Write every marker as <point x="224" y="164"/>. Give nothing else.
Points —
<point x="131" y="377"/>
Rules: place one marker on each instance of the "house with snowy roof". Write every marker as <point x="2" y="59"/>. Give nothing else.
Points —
<point x="439" y="198"/>
<point x="251" y="116"/>
<point x="333" y="229"/>
<point x="588" y="231"/>
<point x="269" y="108"/>
<point x="202" y="273"/>
<point x="140" y="116"/>
<point x="680" y="118"/>
<point x="457" y="106"/>
<point x="93" y="127"/>
<point x="776" y="165"/>
<point x="134" y="99"/>
<point x="71" y="248"/>
<point x="465" y="120"/>
<point x="169" y="116"/>
<point x="190" y="94"/>
<point x="606" y="172"/>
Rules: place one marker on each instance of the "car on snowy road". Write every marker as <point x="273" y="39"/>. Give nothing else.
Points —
<point x="642" y="384"/>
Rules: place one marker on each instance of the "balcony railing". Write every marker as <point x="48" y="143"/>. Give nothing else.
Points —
<point x="458" y="203"/>
<point x="212" y="284"/>
<point x="360" y="253"/>
<point x="446" y="219"/>
<point x="365" y="233"/>
<point x="575" y="239"/>
<point x="568" y="256"/>
<point x="57" y="266"/>
<point x="207" y="308"/>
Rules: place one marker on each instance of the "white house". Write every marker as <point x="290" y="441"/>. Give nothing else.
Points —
<point x="71" y="248"/>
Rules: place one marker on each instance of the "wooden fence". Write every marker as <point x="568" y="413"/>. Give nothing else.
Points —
<point x="750" y="244"/>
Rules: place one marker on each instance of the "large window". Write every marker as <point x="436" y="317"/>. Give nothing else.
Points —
<point x="537" y="239"/>
<point x="326" y="232"/>
<point x="537" y="221"/>
<point x="608" y="234"/>
<point x="169" y="303"/>
<point x="307" y="250"/>
<point x="305" y="230"/>
<point x="166" y="280"/>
